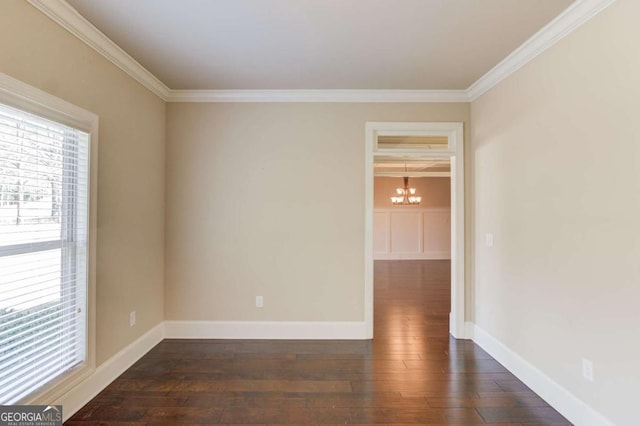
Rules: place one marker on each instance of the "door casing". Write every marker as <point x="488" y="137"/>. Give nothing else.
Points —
<point x="454" y="131"/>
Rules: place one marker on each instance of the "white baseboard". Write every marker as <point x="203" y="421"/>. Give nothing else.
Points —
<point x="469" y="329"/>
<point x="575" y="410"/>
<point x="557" y="396"/>
<point x="108" y="371"/>
<point x="347" y="330"/>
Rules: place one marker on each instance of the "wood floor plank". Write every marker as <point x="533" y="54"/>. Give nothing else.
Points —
<point x="183" y="415"/>
<point x="411" y="373"/>
<point x="288" y="386"/>
<point x="380" y="400"/>
<point x="542" y="415"/>
<point x="497" y="401"/>
<point x="287" y="415"/>
<point x="416" y="415"/>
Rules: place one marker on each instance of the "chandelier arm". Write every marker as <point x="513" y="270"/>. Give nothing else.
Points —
<point x="404" y="199"/>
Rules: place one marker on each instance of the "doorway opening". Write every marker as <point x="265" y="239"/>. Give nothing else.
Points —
<point x="418" y="143"/>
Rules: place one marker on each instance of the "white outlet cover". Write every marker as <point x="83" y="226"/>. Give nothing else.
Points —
<point x="488" y="239"/>
<point x="587" y="369"/>
<point x="259" y="302"/>
<point x="132" y="318"/>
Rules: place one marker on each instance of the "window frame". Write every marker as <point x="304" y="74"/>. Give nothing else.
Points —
<point x="32" y="100"/>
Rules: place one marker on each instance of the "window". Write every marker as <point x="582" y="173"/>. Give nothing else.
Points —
<point x="44" y="253"/>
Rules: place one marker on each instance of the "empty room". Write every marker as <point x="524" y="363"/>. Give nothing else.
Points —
<point x="373" y="212"/>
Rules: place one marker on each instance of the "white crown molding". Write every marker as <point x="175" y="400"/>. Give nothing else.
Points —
<point x="573" y="17"/>
<point x="356" y="96"/>
<point x="65" y="15"/>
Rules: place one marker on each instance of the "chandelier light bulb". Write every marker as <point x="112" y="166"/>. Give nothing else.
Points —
<point x="406" y="195"/>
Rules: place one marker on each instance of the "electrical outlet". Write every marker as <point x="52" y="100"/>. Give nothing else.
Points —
<point x="488" y="239"/>
<point x="132" y="318"/>
<point x="587" y="369"/>
<point x="259" y="302"/>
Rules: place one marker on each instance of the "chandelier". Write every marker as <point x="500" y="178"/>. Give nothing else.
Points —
<point x="406" y="196"/>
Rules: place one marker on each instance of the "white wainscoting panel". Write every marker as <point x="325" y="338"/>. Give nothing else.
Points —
<point x="436" y="234"/>
<point x="411" y="233"/>
<point x="406" y="232"/>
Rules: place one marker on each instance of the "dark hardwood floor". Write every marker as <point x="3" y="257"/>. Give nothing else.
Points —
<point x="411" y="373"/>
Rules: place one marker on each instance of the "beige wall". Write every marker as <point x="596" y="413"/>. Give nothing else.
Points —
<point x="435" y="191"/>
<point x="130" y="252"/>
<point x="557" y="181"/>
<point x="268" y="199"/>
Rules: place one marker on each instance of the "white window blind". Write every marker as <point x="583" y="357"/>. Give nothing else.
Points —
<point x="44" y="170"/>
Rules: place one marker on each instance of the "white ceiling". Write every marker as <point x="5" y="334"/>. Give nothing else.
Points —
<point x="319" y="44"/>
